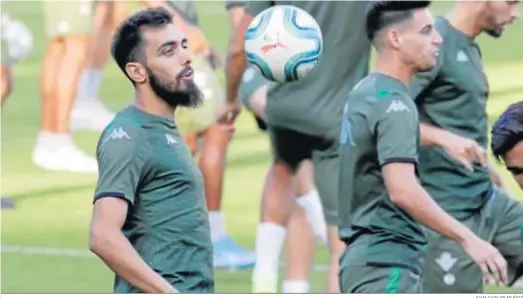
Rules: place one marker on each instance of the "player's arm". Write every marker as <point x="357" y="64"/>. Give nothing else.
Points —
<point x="236" y="61"/>
<point x="398" y="160"/>
<point x="197" y="40"/>
<point x="463" y="150"/>
<point x="235" y="10"/>
<point x="121" y="161"/>
<point x="396" y="131"/>
<point x="107" y="241"/>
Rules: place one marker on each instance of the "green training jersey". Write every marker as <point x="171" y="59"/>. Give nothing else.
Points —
<point x="144" y="160"/>
<point x="380" y="125"/>
<point x="187" y="9"/>
<point x="313" y="104"/>
<point x="453" y="97"/>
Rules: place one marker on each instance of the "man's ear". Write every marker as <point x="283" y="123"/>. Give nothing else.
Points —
<point x="393" y="38"/>
<point x="136" y="72"/>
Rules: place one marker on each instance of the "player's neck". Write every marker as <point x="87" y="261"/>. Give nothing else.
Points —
<point x="465" y="21"/>
<point x="152" y="104"/>
<point x="393" y="68"/>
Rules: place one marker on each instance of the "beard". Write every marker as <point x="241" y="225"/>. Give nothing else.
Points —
<point x="493" y="28"/>
<point x="172" y="94"/>
<point x="496" y="33"/>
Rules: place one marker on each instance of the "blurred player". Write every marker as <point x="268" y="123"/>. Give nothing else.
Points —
<point x="199" y="127"/>
<point x="303" y="120"/>
<point x="300" y="239"/>
<point x="507" y="140"/>
<point x="16" y="43"/>
<point x="88" y="111"/>
<point x="67" y="24"/>
<point x="150" y="221"/>
<point x="381" y="199"/>
<point x="451" y="99"/>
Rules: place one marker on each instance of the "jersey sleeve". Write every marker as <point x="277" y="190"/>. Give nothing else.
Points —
<point x="229" y="4"/>
<point x="394" y="123"/>
<point x="255" y="7"/>
<point x="122" y="156"/>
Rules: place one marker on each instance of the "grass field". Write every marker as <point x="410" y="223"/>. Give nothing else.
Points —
<point x="53" y="208"/>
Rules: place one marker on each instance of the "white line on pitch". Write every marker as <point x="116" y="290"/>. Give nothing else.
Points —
<point x="83" y="253"/>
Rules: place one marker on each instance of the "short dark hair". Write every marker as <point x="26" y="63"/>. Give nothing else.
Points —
<point x="127" y="44"/>
<point x="507" y="131"/>
<point x="381" y="14"/>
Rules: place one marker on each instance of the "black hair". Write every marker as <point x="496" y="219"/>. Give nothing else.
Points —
<point x="381" y="14"/>
<point x="127" y="44"/>
<point x="507" y="131"/>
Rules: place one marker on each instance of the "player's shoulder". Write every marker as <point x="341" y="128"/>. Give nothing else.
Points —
<point x="452" y="38"/>
<point x="393" y="100"/>
<point x="442" y="26"/>
<point x="380" y="88"/>
<point x="386" y="95"/>
<point x="124" y="128"/>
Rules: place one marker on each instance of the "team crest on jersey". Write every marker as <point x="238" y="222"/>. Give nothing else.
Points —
<point x="462" y="57"/>
<point x="446" y="262"/>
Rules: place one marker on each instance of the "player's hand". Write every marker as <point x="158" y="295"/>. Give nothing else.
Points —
<point x="170" y="290"/>
<point x="488" y="258"/>
<point x="229" y="112"/>
<point x="465" y="151"/>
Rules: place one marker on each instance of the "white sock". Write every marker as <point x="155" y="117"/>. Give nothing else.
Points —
<point x="89" y="83"/>
<point x="311" y="204"/>
<point x="295" y="286"/>
<point x="269" y="244"/>
<point x="53" y="141"/>
<point x="217" y="222"/>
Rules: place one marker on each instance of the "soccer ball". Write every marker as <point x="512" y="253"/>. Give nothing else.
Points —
<point x="284" y="42"/>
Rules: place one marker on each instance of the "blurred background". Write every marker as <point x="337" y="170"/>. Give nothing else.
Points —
<point x="44" y="238"/>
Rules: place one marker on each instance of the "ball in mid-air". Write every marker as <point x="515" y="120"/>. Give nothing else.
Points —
<point x="284" y="42"/>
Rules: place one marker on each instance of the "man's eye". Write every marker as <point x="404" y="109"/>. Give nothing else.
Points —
<point x="184" y="45"/>
<point x="168" y="51"/>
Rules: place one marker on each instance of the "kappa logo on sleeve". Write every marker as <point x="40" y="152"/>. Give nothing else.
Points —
<point x="397" y="106"/>
<point x="170" y="139"/>
<point x="117" y="134"/>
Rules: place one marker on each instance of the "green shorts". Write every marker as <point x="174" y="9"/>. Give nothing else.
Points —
<point x="197" y="120"/>
<point x="68" y="17"/>
<point x="448" y="269"/>
<point x="370" y="279"/>
<point x="293" y="147"/>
